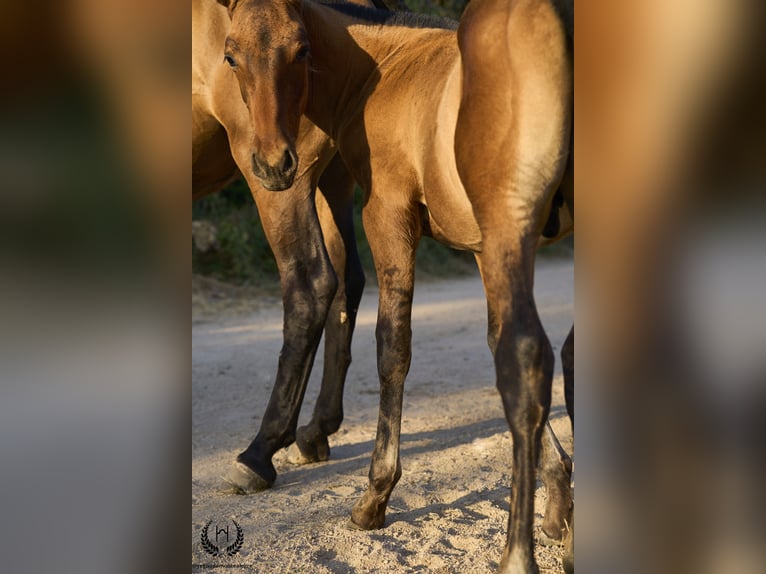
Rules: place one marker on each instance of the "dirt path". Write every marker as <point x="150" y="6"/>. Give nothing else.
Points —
<point x="448" y="513"/>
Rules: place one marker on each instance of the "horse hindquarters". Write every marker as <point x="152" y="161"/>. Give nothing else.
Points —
<point x="510" y="145"/>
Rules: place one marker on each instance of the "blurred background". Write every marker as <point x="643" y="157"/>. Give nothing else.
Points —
<point x="95" y="290"/>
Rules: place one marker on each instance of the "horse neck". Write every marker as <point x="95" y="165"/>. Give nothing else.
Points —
<point x="344" y="58"/>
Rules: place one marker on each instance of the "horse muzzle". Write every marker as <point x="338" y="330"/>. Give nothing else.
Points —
<point x="277" y="177"/>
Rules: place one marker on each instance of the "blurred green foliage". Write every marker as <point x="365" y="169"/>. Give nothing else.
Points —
<point x="240" y="252"/>
<point x="447" y="8"/>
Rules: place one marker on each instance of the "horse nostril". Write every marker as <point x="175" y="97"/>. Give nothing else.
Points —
<point x="288" y="161"/>
<point x="257" y="166"/>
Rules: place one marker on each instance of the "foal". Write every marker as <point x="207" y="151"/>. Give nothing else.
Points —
<point x="311" y="235"/>
<point x="388" y="89"/>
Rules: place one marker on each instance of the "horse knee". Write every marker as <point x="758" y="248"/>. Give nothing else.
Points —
<point x="323" y="285"/>
<point x="532" y="354"/>
<point x="307" y="299"/>
<point x="524" y="362"/>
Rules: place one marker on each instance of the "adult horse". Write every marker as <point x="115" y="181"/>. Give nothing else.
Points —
<point x="311" y="235"/>
<point x="388" y="89"/>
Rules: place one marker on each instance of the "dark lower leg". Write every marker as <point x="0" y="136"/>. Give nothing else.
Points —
<point x="524" y="363"/>
<point x="394" y="265"/>
<point x="556" y="474"/>
<point x="394" y="353"/>
<point x="386" y="469"/>
<point x="304" y="317"/>
<point x="567" y="359"/>
<point x="311" y="439"/>
<point x="524" y="369"/>
<point x="567" y="363"/>
<point x="308" y="285"/>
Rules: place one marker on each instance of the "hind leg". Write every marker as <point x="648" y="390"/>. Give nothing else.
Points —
<point x="567" y="359"/>
<point x="555" y="464"/>
<point x="556" y="474"/>
<point x="335" y="207"/>
<point x="567" y="362"/>
<point x="510" y="172"/>
<point x="524" y="371"/>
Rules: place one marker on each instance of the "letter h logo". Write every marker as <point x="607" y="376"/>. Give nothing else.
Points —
<point x="222" y="530"/>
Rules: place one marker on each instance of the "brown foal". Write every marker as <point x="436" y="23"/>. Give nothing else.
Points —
<point x="311" y="235"/>
<point x="463" y="136"/>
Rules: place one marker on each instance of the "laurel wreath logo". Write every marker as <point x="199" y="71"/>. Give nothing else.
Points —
<point x="214" y="550"/>
<point x="234" y="547"/>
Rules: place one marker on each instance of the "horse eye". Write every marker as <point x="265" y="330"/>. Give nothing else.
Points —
<point x="302" y="54"/>
<point x="229" y="60"/>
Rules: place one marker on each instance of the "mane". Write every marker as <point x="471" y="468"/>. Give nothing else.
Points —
<point x="389" y="18"/>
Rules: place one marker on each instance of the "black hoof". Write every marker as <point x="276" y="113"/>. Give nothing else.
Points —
<point x="569" y="551"/>
<point x="295" y="456"/>
<point x="244" y="480"/>
<point x="309" y="447"/>
<point x="351" y="525"/>
<point x="546" y="540"/>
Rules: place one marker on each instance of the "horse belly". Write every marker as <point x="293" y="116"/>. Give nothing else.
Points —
<point x="450" y="212"/>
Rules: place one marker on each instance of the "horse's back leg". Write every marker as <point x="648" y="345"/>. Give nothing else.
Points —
<point x="511" y="144"/>
<point x="335" y="206"/>
<point x="567" y="364"/>
<point x="524" y="371"/>
<point x="567" y="360"/>
<point x="556" y="474"/>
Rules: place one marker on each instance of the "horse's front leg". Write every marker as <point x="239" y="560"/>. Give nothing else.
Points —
<point x="335" y="205"/>
<point x="309" y="285"/>
<point x="393" y="235"/>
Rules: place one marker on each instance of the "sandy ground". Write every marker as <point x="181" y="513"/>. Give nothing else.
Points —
<point x="448" y="514"/>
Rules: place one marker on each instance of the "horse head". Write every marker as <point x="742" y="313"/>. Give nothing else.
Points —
<point x="267" y="49"/>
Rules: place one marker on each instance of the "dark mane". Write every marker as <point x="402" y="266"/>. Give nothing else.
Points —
<point x="388" y="18"/>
